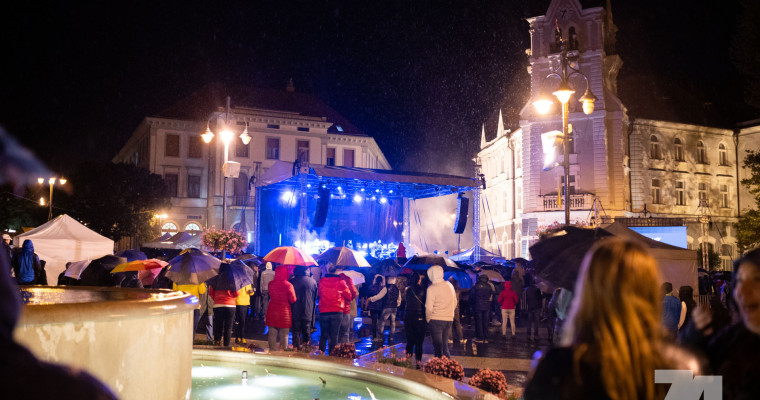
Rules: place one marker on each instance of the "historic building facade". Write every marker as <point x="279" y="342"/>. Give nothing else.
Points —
<point x="637" y="171"/>
<point x="284" y="125"/>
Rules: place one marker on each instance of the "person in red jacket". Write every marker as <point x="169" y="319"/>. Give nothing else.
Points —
<point x="333" y="297"/>
<point x="508" y="300"/>
<point x="224" y="312"/>
<point x="345" y="324"/>
<point x="279" y="318"/>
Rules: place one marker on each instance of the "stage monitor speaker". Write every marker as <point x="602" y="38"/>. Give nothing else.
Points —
<point x="323" y="203"/>
<point x="463" y="204"/>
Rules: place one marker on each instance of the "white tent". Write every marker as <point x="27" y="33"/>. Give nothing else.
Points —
<point x="677" y="266"/>
<point x="64" y="239"/>
<point x="469" y="255"/>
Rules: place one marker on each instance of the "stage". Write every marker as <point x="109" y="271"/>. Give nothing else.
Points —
<point x="367" y="209"/>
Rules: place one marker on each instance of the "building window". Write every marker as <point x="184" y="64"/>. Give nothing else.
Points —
<point x="170" y="180"/>
<point x="302" y="149"/>
<point x="168" y="228"/>
<point x="273" y="148"/>
<point x="519" y="197"/>
<point x="722" y="155"/>
<point x="172" y="146"/>
<point x="655" y="191"/>
<point x="654" y="148"/>
<point x="571" y="186"/>
<point x="302" y="129"/>
<point x="330" y="156"/>
<point x="241" y="149"/>
<point x="701" y="155"/>
<point x="680" y="198"/>
<point x="194" y="147"/>
<point x="702" y="194"/>
<point x="678" y="149"/>
<point x="194" y="186"/>
<point x="348" y="158"/>
<point x="193" y="228"/>
<point x="724" y="196"/>
<point x="273" y="126"/>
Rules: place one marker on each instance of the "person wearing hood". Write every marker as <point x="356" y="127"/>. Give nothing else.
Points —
<point x="26" y="264"/>
<point x="391" y="298"/>
<point x="22" y="375"/>
<point x="279" y="317"/>
<point x="483" y="294"/>
<point x="265" y="277"/>
<point x="333" y="296"/>
<point x="375" y="307"/>
<point x="440" y="303"/>
<point x="345" y="324"/>
<point x="508" y="300"/>
<point x="414" y="318"/>
<point x="303" y="309"/>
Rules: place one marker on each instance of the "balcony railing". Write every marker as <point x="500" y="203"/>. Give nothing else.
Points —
<point x="577" y="202"/>
<point x="240" y="201"/>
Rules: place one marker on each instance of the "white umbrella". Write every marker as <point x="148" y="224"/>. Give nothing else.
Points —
<point x="356" y="277"/>
<point x="75" y="269"/>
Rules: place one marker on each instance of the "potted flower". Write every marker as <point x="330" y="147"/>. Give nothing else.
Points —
<point x="344" y="350"/>
<point x="444" y="366"/>
<point x="223" y="240"/>
<point x="490" y="381"/>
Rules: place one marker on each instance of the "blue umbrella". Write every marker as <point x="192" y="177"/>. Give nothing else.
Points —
<point x="192" y="266"/>
<point x="133" y="255"/>
<point x="464" y="280"/>
<point x="231" y="277"/>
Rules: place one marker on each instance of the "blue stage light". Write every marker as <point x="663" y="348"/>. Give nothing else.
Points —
<point x="383" y="200"/>
<point x="391" y="191"/>
<point x="358" y="199"/>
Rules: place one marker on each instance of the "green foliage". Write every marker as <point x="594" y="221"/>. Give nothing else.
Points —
<point x="713" y="259"/>
<point x="748" y="227"/>
<point x="116" y="200"/>
<point x="17" y="212"/>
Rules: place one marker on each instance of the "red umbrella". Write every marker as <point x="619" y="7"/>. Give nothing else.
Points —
<point x="288" y="255"/>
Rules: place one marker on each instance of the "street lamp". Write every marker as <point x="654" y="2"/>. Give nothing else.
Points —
<point x="160" y="217"/>
<point x="227" y="137"/>
<point x="564" y="72"/>
<point x="51" y="181"/>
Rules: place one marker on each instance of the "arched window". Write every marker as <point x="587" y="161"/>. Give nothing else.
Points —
<point x="169" y="227"/>
<point x="241" y="190"/>
<point x="193" y="228"/>
<point x="654" y="148"/>
<point x="701" y="155"/>
<point x="722" y="155"/>
<point x="678" y="146"/>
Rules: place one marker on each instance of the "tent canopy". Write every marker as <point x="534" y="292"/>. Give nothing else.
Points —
<point x="468" y="256"/>
<point x="62" y="240"/>
<point x="677" y="265"/>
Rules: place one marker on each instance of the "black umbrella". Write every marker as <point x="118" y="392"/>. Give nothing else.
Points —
<point x="387" y="267"/>
<point x="557" y="258"/>
<point x="421" y="262"/>
<point x="231" y="277"/>
<point x="98" y="273"/>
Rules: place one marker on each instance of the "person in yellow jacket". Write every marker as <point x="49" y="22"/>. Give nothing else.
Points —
<point x="242" y="303"/>
<point x="197" y="291"/>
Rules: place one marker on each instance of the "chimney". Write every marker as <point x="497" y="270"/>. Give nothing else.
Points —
<point x="289" y="87"/>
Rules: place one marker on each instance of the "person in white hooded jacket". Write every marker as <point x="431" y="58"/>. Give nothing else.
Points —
<point x="440" y="303"/>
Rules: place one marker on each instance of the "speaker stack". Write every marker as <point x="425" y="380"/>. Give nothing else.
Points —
<point x="323" y="203"/>
<point x="463" y="204"/>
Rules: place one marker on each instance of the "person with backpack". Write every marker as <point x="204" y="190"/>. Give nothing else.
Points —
<point x="391" y="301"/>
<point x="375" y="307"/>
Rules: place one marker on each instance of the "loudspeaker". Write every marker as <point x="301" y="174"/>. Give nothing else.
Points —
<point x="323" y="203"/>
<point x="231" y="169"/>
<point x="463" y="204"/>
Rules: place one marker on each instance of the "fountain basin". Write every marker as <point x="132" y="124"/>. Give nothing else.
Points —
<point x="138" y="342"/>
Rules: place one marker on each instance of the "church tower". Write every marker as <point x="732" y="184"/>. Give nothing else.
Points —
<point x="597" y="152"/>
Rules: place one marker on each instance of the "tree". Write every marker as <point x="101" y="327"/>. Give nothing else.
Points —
<point x="748" y="227"/>
<point x="116" y="200"/>
<point x="17" y="212"/>
<point x="713" y="259"/>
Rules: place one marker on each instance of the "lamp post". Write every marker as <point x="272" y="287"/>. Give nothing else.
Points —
<point x="160" y="217"/>
<point x="227" y="136"/>
<point x="564" y="72"/>
<point x="51" y="181"/>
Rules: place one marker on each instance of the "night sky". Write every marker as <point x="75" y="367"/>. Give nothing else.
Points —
<point x="419" y="76"/>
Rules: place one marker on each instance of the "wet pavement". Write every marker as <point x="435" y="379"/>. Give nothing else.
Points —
<point x="512" y="356"/>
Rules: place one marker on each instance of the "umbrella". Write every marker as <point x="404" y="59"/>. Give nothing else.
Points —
<point x="192" y="266"/>
<point x="231" y="277"/>
<point x="464" y="280"/>
<point x="343" y="256"/>
<point x="387" y="267"/>
<point x="75" y="269"/>
<point x="289" y="255"/>
<point x="422" y="262"/>
<point x="356" y="277"/>
<point x="557" y="258"/>
<point x="148" y="276"/>
<point x="140" y="265"/>
<point x="406" y="271"/>
<point x="246" y="268"/>
<point x="492" y="275"/>
<point x="132" y="255"/>
<point x="98" y="273"/>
